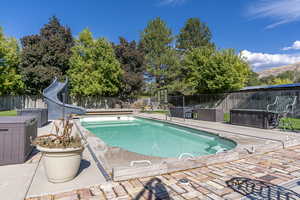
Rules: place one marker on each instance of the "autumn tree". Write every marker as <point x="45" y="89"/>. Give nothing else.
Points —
<point x="45" y="55"/>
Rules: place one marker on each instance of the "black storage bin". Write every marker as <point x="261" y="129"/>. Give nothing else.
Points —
<point x="209" y="114"/>
<point x="15" y="133"/>
<point x="252" y="118"/>
<point x="40" y="113"/>
<point x="180" y="111"/>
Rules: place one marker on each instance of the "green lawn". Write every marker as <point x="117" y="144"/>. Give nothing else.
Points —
<point x="295" y="122"/>
<point x="8" y="113"/>
<point x="226" y="117"/>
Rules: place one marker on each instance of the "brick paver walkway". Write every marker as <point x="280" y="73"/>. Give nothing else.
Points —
<point x="212" y="182"/>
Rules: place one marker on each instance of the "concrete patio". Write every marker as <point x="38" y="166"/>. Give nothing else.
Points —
<point x="29" y="179"/>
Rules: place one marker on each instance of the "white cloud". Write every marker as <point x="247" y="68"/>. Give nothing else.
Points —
<point x="172" y="2"/>
<point x="281" y="11"/>
<point x="295" y="46"/>
<point x="262" y="61"/>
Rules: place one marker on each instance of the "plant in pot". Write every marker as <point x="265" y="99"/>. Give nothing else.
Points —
<point x="62" y="151"/>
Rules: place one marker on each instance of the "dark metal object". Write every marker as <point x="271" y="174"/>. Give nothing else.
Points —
<point x="282" y="106"/>
<point x="181" y="112"/>
<point x="253" y="118"/>
<point x="53" y="98"/>
<point x="184" y="181"/>
<point x="257" y="189"/>
<point x="209" y="114"/>
<point x="41" y="114"/>
<point x="153" y="189"/>
<point x="15" y="134"/>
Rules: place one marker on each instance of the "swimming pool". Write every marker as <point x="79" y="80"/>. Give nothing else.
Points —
<point x="155" y="138"/>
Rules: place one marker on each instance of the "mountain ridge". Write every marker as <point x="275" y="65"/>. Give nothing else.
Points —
<point x="275" y="71"/>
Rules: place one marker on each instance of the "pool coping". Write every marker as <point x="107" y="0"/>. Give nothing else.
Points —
<point x="246" y="146"/>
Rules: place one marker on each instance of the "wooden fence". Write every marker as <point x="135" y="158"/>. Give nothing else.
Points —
<point x="238" y="100"/>
<point x="226" y="101"/>
<point x="21" y="102"/>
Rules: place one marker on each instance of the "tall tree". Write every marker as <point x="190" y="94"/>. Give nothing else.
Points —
<point x="212" y="71"/>
<point x="194" y="34"/>
<point x="46" y="55"/>
<point x="94" y="68"/>
<point x="131" y="59"/>
<point x="253" y="79"/>
<point x="10" y="81"/>
<point x="156" y="41"/>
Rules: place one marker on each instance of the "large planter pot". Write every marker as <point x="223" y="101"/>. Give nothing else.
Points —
<point x="61" y="165"/>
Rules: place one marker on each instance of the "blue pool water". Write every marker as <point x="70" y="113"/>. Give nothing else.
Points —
<point x="154" y="138"/>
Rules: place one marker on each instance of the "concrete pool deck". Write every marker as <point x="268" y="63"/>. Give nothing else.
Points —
<point x="276" y="173"/>
<point x="287" y="138"/>
<point x="278" y="166"/>
<point x="117" y="161"/>
<point x="29" y="179"/>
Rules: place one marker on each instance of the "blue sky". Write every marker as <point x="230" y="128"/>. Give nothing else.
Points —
<point x="266" y="31"/>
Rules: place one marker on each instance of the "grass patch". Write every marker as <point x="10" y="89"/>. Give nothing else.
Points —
<point x="8" y="113"/>
<point x="155" y="111"/>
<point x="295" y="123"/>
<point x="227" y="117"/>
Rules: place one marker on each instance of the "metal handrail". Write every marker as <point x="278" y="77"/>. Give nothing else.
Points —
<point x="273" y="104"/>
<point x="191" y="156"/>
<point x="221" y="150"/>
<point x="132" y="163"/>
<point x="286" y="110"/>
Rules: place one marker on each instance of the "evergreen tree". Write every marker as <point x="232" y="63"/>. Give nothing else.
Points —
<point x="161" y="59"/>
<point x="131" y="59"/>
<point x="10" y="81"/>
<point x="94" y="68"/>
<point x="45" y="55"/>
<point x="194" y="34"/>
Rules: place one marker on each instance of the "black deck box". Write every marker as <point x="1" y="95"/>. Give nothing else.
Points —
<point x="180" y="112"/>
<point x="15" y="133"/>
<point x="250" y="117"/>
<point x="209" y="114"/>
